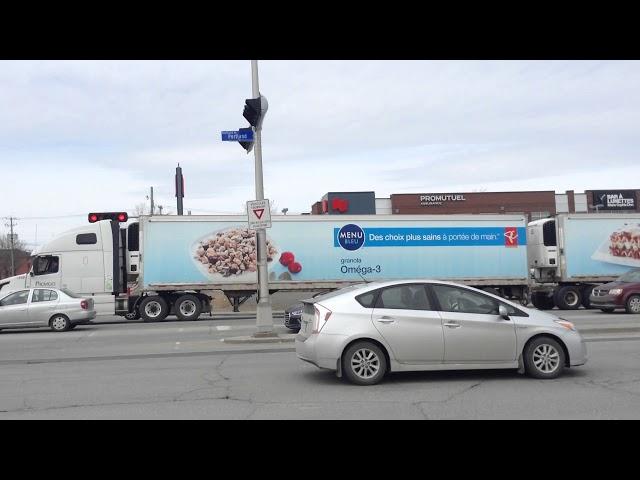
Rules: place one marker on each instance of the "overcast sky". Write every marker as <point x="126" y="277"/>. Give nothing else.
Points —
<point x="81" y="136"/>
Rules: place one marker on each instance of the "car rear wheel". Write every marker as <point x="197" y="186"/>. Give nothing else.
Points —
<point x="544" y="358"/>
<point x="153" y="309"/>
<point x="633" y="304"/>
<point x="59" y="323"/>
<point x="364" y="363"/>
<point x="188" y="307"/>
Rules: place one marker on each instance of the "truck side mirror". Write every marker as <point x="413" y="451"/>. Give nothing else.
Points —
<point x="502" y="310"/>
<point x="31" y="273"/>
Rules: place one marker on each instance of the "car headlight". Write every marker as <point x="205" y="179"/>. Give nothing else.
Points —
<point x="615" y="291"/>
<point x="566" y="324"/>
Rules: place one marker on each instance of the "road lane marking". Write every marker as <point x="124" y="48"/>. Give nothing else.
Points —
<point x="223" y="327"/>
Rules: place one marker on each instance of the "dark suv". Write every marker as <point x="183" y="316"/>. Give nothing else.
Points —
<point x="622" y="293"/>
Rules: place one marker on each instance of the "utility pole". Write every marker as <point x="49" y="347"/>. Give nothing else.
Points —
<point x="264" y="314"/>
<point x="179" y="189"/>
<point x="11" y="239"/>
<point x="151" y="197"/>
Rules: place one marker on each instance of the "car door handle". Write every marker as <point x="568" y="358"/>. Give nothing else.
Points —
<point x="452" y="325"/>
<point x="386" y="320"/>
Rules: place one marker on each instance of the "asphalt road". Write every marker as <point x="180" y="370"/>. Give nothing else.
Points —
<point x="184" y="370"/>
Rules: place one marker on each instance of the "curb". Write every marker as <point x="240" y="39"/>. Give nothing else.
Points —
<point x="278" y="338"/>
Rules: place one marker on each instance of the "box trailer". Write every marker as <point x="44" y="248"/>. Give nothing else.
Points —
<point x="174" y="264"/>
<point x="570" y="254"/>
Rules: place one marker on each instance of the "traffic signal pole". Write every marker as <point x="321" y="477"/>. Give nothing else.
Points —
<point x="264" y="314"/>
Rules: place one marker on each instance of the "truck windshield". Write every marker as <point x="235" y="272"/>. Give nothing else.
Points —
<point x="630" y="277"/>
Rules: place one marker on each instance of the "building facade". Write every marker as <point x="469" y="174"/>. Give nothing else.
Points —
<point x="533" y="204"/>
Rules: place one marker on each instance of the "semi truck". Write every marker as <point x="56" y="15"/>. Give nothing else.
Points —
<point x="160" y="265"/>
<point x="570" y="254"/>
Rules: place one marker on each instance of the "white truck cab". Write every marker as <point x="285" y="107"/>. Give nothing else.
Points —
<point x="80" y="260"/>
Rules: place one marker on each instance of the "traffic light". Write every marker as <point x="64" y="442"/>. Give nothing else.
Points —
<point x="255" y="110"/>
<point x="117" y="216"/>
<point x="246" y="144"/>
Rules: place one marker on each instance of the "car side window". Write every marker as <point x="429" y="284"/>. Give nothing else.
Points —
<point x="367" y="299"/>
<point x="42" y="295"/>
<point x="462" y="300"/>
<point x="404" y="297"/>
<point x="17" y="298"/>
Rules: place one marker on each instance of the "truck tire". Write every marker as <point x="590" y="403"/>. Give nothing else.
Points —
<point x="153" y="309"/>
<point x="542" y="301"/>
<point x="188" y="307"/>
<point x="586" y="293"/>
<point x="568" y="298"/>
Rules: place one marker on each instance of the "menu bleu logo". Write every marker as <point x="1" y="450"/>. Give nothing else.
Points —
<point x="351" y="237"/>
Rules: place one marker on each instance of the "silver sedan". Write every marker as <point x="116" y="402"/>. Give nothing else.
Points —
<point x="60" y="310"/>
<point x="365" y="331"/>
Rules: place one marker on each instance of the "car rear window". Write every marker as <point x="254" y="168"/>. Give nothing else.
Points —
<point x="367" y="300"/>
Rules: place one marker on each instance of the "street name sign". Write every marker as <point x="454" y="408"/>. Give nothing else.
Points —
<point x="243" y="135"/>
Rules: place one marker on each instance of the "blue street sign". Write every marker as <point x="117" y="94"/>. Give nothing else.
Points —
<point x="243" y="135"/>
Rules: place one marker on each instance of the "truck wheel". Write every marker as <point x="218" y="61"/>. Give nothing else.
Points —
<point x="568" y="298"/>
<point x="188" y="307"/>
<point x="153" y="309"/>
<point x="633" y="304"/>
<point x="542" y="301"/>
<point x="586" y="293"/>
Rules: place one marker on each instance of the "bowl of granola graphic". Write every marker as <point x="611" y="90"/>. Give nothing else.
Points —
<point x="230" y="253"/>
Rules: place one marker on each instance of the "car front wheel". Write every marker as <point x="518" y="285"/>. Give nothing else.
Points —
<point x="633" y="304"/>
<point x="364" y="363"/>
<point x="544" y="358"/>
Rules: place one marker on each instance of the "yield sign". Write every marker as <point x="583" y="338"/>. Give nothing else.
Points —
<point x="258" y="214"/>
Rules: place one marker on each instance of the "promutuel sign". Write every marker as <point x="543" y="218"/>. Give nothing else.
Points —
<point x="440" y="198"/>
<point x="615" y="200"/>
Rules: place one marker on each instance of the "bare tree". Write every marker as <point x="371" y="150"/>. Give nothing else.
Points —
<point x="139" y="209"/>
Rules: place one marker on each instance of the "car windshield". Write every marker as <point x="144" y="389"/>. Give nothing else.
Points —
<point x="632" y="276"/>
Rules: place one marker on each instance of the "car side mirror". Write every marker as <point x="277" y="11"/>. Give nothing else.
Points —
<point x="502" y="310"/>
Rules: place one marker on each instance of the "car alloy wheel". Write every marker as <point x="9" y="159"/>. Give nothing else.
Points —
<point x="633" y="304"/>
<point x="546" y="358"/>
<point x="365" y="363"/>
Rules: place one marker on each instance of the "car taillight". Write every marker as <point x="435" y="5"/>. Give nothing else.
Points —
<point x="84" y="304"/>
<point x="320" y="317"/>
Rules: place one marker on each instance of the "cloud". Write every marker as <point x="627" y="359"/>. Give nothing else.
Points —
<point x="83" y="135"/>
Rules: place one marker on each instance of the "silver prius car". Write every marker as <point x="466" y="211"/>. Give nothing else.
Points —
<point x="60" y="310"/>
<point x="364" y="331"/>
